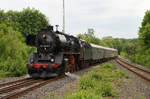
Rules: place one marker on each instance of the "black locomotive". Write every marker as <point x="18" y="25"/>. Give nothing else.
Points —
<point x="58" y="52"/>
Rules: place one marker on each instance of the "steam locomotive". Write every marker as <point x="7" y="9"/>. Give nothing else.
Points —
<point x="58" y="53"/>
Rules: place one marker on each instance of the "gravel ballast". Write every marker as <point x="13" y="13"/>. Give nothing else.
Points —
<point x="134" y="87"/>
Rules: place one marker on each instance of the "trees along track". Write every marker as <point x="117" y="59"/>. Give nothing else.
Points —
<point x="12" y="90"/>
<point x="139" y="71"/>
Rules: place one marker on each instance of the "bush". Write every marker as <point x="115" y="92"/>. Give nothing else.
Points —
<point x="13" y="52"/>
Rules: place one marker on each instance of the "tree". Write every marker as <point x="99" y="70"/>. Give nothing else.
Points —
<point x="14" y="27"/>
<point x="90" y="37"/>
<point x="144" y="36"/>
<point x="14" y="52"/>
<point x="144" y="31"/>
<point x="32" y="21"/>
<point x="108" y="41"/>
<point x="3" y="17"/>
<point x="90" y="32"/>
<point x="28" y="21"/>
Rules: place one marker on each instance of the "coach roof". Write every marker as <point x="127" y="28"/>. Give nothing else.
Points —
<point x="101" y="47"/>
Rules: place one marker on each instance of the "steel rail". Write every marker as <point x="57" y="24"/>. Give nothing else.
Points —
<point x="17" y="86"/>
<point x="13" y="82"/>
<point x="127" y="66"/>
<point x="134" y="65"/>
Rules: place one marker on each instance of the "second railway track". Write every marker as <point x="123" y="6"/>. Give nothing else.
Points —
<point x="143" y="73"/>
<point x="13" y="82"/>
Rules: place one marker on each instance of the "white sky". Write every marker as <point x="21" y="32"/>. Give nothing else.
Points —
<point x="117" y="18"/>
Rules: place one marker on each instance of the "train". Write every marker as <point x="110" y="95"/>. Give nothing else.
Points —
<point x="58" y="52"/>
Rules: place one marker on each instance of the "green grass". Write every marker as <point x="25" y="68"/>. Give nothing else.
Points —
<point x="99" y="83"/>
<point x="3" y="74"/>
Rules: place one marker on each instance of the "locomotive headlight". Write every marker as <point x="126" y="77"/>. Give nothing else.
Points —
<point x="44" y="36"/>
<point x="52" y="60"/>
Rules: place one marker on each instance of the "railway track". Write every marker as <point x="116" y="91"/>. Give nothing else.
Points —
<point x="15" y="89"/>
<point x="139" y="71"/>
<point x="13" y="82"/>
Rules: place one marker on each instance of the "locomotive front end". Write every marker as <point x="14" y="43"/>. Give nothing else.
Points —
<point x="45" y="62"/>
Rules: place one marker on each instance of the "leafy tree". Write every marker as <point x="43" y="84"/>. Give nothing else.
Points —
<point x="144" y="31"/>
<point x="144" y="36"/>
<point x="3" y="17"/>
<point x="14" y="27"/>
<point x="90" y="32"/>
<point x="146" y="19"/>
<point x="131" y="49"/>
<point x="90" y="37"/>
<point x="28" y="21"/>
<point x="108" y="41"/>
<point x="32" y="21"/>
<point x="13" y="52"/>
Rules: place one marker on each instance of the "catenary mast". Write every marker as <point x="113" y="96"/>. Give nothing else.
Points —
<point x="63" y="15"/>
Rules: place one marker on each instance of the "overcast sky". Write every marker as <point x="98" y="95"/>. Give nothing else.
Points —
<point x="117" y="18"/>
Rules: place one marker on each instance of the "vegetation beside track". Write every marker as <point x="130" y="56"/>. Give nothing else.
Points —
<point x="14" y="27"/>
<point x="14" y="52"/>
<point x="99" y="83"/>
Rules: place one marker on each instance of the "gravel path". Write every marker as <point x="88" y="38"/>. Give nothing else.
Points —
<point x="134" y="87"/>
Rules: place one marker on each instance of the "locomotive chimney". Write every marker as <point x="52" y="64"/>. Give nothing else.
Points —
<point x="57" y="27"/>
<point x="50" y="28"/>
